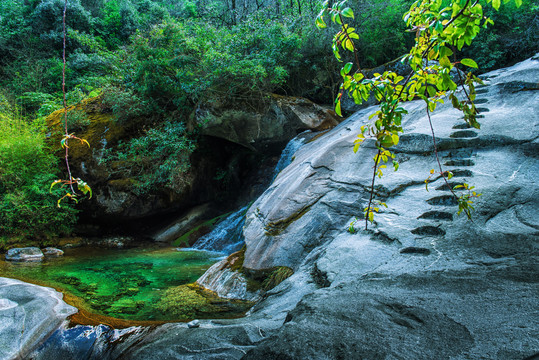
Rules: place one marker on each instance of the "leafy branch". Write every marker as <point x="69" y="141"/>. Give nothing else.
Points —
<point x="439" y="29"/>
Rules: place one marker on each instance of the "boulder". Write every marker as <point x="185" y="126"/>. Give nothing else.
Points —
<point x="24" y="254"/>
<point x="268" y="128"/>
<point x="28" y="315"/>
<point x="52" y="252"/>
<point x="422" y="282"/>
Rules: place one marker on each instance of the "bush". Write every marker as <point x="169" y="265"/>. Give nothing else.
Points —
<point x="27" y="170"/>
<point x="158" y="159"/>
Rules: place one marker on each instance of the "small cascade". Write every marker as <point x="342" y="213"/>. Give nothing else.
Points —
<point x="227" y="236"/>
<point x="289" y="151"/>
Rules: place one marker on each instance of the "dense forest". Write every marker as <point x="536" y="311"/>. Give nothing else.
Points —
<point x="153" y="62"/>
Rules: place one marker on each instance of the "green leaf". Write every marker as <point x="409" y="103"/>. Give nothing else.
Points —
<point x="518" y="3"/>
<point x="348" y="45"/>
<point x="320" y="23"/>
<point x="496" y="4"/>
<point x="338" y="108"/>
<point x="56" y="182"/>
<point x="348" y="13"/>
<point x="444" y="61"/>
<point x="347" y="67"/>
<point x="469" y="63"/>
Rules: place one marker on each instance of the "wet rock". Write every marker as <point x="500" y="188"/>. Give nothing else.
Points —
<point x="226" y="279"/>
<point x="52" y="252"/>
<point x="24" y="254"/>
<point x="28" y="315"/>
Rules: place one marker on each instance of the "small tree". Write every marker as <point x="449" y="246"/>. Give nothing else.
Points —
<point x="441" y="27"/>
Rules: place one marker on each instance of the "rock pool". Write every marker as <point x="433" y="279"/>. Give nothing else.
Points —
<point x="126" y="284"/>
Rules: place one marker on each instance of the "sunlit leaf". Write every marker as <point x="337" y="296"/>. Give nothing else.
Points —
<point x="348" y="13"/>
<point x="469" y="63"/>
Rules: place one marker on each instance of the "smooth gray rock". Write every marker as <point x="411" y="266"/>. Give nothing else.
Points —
<point x="476" y="280"/>
<point x="315" y="198"/>
<point x="52" y="252"/>
<point x="28" y="315"/>
<point x="24" y="254"/>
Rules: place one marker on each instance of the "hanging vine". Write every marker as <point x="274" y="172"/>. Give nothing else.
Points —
<point x="439" y="28"/>
<point x="70" y="182"/>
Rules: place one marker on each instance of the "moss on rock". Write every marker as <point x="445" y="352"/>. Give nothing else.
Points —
<point x="193" y="301"/>
<point x="264" y="280"/>
<point x="101" y="130"/>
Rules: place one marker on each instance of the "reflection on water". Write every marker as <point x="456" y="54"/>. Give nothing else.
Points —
<point x="124" y="284"/>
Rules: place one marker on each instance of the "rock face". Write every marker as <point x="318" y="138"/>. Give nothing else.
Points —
<point x="28" y="315"/>
<point x="228" y="151"/>
<point x="281" y="119"/>
<point x="422" y="282"/>
<point x="24" y="254"/>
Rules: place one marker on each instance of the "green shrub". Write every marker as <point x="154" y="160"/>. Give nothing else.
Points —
<point x="27" y="170"/>
<point x="159" y="158"/>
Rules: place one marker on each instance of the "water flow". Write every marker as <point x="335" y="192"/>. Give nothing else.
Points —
<point x="289" y="151"/>
<point x="227" y="236"/>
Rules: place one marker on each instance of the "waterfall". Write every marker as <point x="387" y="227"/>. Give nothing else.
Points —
<point x="227" y="236"/>
<point x="288" y="153"/>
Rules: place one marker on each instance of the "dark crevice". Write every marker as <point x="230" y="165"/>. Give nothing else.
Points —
<point x="413" y="250"/>
<point x="320" y="277"/>
<point x="437" y="215"/>
<point x="459" y="162"/>
<point x="463" y="134"/>
<point x="461" y="173"/>
<point x="428" y="230"/>
<point x="443" y="200"/>
<point x="462" y="126"/>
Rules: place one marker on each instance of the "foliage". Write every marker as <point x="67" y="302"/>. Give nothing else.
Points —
<point x="26" y="171"/>
<point x="439" y="27"/>
<point x="158" y="159"/>
<point x="514" y="36"/>
<point x="157" y="61"/>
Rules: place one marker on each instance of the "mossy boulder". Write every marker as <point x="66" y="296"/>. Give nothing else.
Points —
<point x="218" y="170"/>
<point x="193" y="301"/>
<point x="230" y="279"/>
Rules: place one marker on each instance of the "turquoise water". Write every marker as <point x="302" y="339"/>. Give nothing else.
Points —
<point x="124" y="284"/>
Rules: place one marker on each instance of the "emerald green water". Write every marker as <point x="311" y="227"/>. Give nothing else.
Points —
<point x="124" y="284"/>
